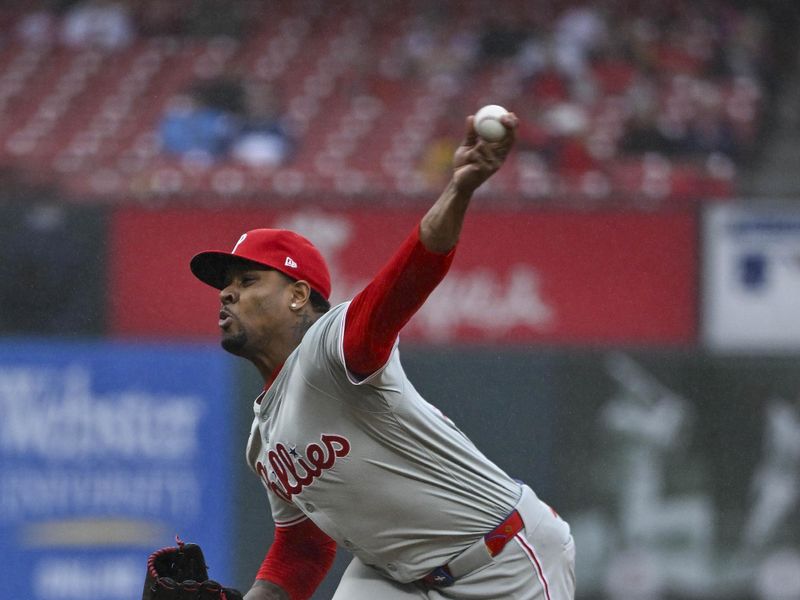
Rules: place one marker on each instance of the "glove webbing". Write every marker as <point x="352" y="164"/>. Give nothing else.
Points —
<point x="190" y="575"/>
<point x="166" y="588"/>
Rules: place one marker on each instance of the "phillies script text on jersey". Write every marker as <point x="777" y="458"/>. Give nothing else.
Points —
<point x="288" y="465"/>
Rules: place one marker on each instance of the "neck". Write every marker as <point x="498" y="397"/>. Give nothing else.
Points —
<point x="270" y="361"/>
<point x="269" y="378"/>
<point x="302" y="324"/>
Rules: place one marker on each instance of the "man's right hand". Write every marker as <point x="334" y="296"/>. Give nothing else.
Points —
<point x="476" y="160"/>
<point x="266" y="590"/>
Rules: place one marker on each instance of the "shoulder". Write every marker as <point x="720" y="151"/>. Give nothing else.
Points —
<point x="330" y="321"/>
<point x="325" y="333"/>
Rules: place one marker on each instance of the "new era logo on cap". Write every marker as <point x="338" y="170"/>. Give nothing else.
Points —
<point x="289" y="262"/>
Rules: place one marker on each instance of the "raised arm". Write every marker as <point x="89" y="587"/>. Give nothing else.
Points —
<point x="378" y="313"/>
<point x="474" y="162"/>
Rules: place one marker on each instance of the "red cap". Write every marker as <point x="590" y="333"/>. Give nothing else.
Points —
<point x="279" y="249"/>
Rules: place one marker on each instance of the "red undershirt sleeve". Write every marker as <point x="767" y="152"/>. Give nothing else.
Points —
<point x="378" y="313"/>
<point x="298" y="559"/>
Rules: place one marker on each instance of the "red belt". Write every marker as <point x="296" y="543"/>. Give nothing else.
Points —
<point x="494" y="541"/>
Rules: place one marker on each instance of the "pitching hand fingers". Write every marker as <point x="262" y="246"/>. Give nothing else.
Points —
<point x="471" y="137"/>
<point x="510" y="122"/>
<point x="477" y="159"/>
<point x="494" y="153"/>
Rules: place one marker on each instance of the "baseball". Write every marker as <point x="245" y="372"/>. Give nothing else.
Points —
<point x="487" y="122"/>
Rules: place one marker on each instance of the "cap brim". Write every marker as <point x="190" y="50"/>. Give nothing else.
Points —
<point x="211" y="267"/>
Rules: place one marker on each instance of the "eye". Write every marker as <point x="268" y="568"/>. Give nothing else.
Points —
<point x="247" y="280"/>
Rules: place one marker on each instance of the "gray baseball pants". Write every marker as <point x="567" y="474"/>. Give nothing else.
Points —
<point x="537" y="564"/>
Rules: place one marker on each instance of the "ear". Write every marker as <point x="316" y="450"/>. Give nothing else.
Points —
<point x="300" y="295"/>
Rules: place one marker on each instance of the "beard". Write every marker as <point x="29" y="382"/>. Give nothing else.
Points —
<point x="235" y="343"/>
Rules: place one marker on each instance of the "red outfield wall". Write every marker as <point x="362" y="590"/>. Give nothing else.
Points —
<point x="550" y="277"/>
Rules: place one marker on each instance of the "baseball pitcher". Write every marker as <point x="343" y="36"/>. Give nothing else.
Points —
<point x="349" y="452"/>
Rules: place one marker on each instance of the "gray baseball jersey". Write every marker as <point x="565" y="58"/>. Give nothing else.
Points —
<point x="375" y="466"/>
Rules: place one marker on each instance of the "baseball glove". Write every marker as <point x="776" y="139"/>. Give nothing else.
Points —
<point x="180" y="573"/>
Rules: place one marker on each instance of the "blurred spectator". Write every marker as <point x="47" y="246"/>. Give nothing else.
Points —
<point x="566" y="149"/>
<point x="105" y="24"/>
<point x="38" y="27"/>
<point x="436" y="50"/>
<point x="262" y="139"/>
<point x="685" y="80"/>
<point x="645" y="129"/>
<point x="709" y="131"/>
<point x="578" y="32"/>
<point x="437" y="160"/>
<point x="614" y="70"/>
<point x="549" y="87"/>
<point x="533" y="56"/>
<point x="193" y="128"/>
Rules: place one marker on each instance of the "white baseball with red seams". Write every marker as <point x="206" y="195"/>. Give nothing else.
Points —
<point x="487" y="122"/>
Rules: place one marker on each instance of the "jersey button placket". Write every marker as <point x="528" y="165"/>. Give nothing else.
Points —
<point x="310" y="507"/>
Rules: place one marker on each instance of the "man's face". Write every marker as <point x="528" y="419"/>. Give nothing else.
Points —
<point x="254" y="302"/>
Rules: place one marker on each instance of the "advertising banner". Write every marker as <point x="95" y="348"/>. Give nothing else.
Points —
<point x="107" y="452"/>
<point x="751" y="277"/>
<point x="561" y="277"/>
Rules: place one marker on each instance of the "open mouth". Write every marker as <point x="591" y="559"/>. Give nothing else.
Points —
<point x="225" y="319"/>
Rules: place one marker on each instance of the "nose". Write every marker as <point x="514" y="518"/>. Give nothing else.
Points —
<point x="227" y="295"/>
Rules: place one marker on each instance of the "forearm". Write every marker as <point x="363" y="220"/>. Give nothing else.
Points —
<point x="378" y="313"/>
<point x="266" y="590"/>
<point x="474" y="162"/>
<point x="441" y="226"/>
<point x="297" y="561"/>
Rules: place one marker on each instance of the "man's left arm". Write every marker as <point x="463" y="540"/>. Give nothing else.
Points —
<point x="297" y="561"/>
<point x="378" y="313"/>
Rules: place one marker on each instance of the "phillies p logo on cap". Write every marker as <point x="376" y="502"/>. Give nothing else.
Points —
<point x="242" y="238"/>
